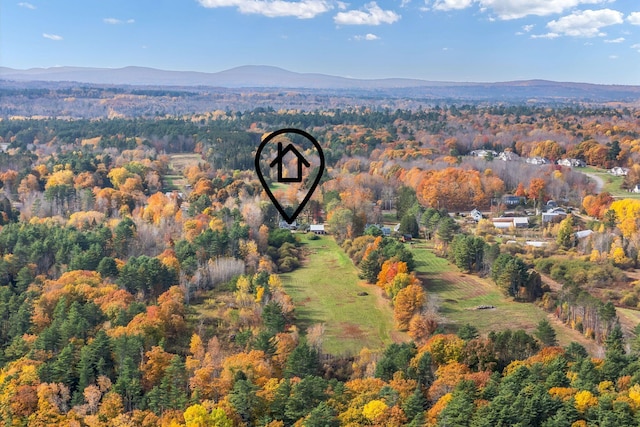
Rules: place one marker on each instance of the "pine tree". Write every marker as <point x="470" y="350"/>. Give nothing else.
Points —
<point x="302" y="361"/>
<point x="415" y="404"/>
<point x="244" y="400"/>
<point x="545" y="333"/>
<point x="370" y="267"/>
<point x="615" y="358"/>
<point x="322" y="416"/>
<point x="129" y="384"/>
<point x="468" y="332"/>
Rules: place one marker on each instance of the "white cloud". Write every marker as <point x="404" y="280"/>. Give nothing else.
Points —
<point x="515" y="9"/>
<point x="634" y="18"/>
<point x="115" y="21"/>
<point x="452" y="4"/>
<point x="636" y="47"/>
<point x="585" y="23"/>
<point x="613" y="56"/>
<point x="372" y="15"/>
<point x="26" y="5"/>
<point x="54" y="37"/>
<point x="368" y="37"/>
<point x="618" y="40"/>
<point x="527" y="28"/>
<point x="545" y="36"/>
<point x="304" y="9"/>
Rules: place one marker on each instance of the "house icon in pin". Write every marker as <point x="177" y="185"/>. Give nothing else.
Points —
<point x="279" y="160"/>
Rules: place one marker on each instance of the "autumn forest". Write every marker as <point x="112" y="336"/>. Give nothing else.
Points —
<point x="147" y="280"/>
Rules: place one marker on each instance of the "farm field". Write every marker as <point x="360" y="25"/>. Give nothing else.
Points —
<point x="325" y="290"/>
<point x="458" y="294"/>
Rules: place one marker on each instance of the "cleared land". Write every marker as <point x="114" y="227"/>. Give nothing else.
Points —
<point x="611" y="184"/>
<point x="174" y="179"/>
<point x="325" y="290"/>
<point x="458" y="294"/>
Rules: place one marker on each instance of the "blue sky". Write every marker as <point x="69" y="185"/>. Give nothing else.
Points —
<point x="596" y="41"/>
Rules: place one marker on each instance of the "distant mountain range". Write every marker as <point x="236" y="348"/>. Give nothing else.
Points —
<point x="253" y="76"/>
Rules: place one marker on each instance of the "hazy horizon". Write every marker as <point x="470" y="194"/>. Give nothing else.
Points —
<point x="588" y="41"/>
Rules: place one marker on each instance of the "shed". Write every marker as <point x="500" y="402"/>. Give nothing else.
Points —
<point x="317" y="229"/>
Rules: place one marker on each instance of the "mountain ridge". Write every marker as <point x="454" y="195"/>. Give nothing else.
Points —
<point x="270" y="77"/>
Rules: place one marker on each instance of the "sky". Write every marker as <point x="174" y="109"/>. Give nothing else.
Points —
<point x="593" y="41"/>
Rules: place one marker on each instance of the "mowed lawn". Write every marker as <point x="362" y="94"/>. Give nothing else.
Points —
<point x="458" y="294"/>
<point x="325" y="290"/>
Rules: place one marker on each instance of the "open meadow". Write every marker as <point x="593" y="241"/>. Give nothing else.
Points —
<point x="325" y="290"/>
<point x="457" y="296"/>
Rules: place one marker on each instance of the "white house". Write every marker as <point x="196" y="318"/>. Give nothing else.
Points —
<point x="572" y="163"/>
<point x="537" y="161"/>
<point x="508" y="156"/>
<point x="484" y="153"/>
<point x="618" y="171"/>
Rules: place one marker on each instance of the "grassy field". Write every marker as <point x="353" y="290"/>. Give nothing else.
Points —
<point x="325" y="290"/>
<point x="175" y="179"/>
<point x="611" y="183"/>
<point x="457" y="294"/>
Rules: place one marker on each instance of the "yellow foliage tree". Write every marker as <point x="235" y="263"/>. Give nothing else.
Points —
<point x="585" y="400"/>
<point x="374" y="410"/>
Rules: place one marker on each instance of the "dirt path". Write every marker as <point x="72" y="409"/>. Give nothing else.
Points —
<point x="599" y="181"/>
<point x="553" y="285"/>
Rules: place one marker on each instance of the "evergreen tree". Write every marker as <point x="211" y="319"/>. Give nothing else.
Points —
<point x="370" y="267"/>
<point x="62" y="369"/>
<point x="322" y="416"/>
<point x="171" y="393"/>
<point x="396" y="358"/>
<point x="468" y="332"/>
<point x="459" y="410"/>
<point x="415" y="404"/>
<point x="107" y="267"/>
<point x="272" y="318"/>
<point x="446" y="229"/>
<point x="546" y="334"/>
<point x="305" y="396"/>
<point x="409" y="225"/>
<point x="303" y="361"/>
<point x="244" y="400"/>
<point x="128" y="384"/>
<point x="405" y="200"/>
<point x="615" y="359"/>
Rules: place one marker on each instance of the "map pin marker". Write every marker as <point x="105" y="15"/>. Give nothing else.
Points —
<point x="287" y="147"/>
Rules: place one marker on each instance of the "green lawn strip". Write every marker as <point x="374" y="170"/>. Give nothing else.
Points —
<point x="612" y="184"/>
<point x="325" y="290"/>
<point x="459" y="294"/>
<point x="276" y="186"/>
